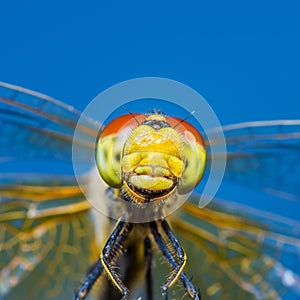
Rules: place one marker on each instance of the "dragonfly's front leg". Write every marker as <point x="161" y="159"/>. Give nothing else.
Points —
<point x="176" y="262"/>
<point x="110" y="252"/>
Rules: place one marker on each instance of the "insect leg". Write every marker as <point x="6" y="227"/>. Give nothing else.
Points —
<point x="111" y="250"/>
<point x="188" y="286"/>
<point x="93" y="275"/>
<point x="148" y="259"/>
<point x="177" y="263"/>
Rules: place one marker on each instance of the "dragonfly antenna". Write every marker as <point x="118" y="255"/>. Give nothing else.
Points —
<point x="133" y="116"/>
<point x="184" y="119"/>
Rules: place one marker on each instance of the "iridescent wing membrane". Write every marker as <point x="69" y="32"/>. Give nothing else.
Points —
<point x="240" y="251"/>
<point x="265" y="155"/>
<point x="47" y="241"/>
<point x="35" y="126"/>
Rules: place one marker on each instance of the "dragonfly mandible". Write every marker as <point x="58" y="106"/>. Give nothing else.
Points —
<point x="50" y="234"/>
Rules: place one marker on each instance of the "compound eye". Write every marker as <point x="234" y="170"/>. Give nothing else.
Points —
<point x="108" y="160"/>
<point x="195" y="161"/>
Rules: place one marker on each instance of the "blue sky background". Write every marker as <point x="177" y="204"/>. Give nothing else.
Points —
<point x="242" y="56"/>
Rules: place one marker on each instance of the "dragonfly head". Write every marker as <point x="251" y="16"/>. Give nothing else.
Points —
<point x="152" y="161"/>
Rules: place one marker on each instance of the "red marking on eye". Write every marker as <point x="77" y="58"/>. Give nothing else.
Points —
<point x="116" y="124"/>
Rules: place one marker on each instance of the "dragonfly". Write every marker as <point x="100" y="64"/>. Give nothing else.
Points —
<point x="51" y="236"/>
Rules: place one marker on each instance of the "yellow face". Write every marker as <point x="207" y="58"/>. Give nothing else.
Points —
<point x="154" y="161"/>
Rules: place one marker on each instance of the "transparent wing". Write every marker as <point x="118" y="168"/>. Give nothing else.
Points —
<point x="44" y="228"/>
<point x="35" y="126"/>
<point x="240" y="251"/>
<point x="265" y="155"/>
<point x="47" y="239"/>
